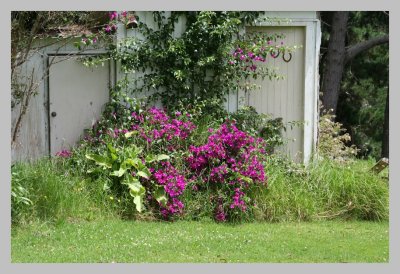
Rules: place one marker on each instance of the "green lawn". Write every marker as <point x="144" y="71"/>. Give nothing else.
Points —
<point x="132" y="241"/>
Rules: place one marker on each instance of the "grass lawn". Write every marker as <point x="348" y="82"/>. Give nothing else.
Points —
<point x="183" y="241"/>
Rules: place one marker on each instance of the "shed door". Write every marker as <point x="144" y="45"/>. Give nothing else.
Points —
<point x="77" y="95"/>
<point x="284" y="98"/>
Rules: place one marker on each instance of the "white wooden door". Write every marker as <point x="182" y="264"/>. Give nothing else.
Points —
<point x="77" y="95"/>
<point x="284" y="98"/>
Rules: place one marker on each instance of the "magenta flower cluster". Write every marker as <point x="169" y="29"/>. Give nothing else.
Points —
<point x="237" y="200"/>
<point x="232" y="161"/>
<point x="161" y="126"/>
<point x="229" y="164"/>
<point x="114" y="17"/>
<point x="231" y="149"/>
<point x="112" y="26"/>
<point x="174" y="184"/>
<point x="249" y="58"/>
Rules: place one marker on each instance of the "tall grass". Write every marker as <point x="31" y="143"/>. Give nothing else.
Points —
<point x="52" y="191"/>
<point x="47" y="191"/>
<point x="324" y="190"/>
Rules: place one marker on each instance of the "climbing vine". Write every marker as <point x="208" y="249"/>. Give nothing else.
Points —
<point x="211" y="58"/>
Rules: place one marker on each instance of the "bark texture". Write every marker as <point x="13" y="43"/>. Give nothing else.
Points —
<point x="335" y="61"/>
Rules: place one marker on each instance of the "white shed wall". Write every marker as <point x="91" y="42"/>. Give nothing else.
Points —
<point x="33" y="141"/>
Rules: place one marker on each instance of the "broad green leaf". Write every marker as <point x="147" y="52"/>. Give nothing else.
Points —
<point x="136" y="188"/>
<point x="114" y="157"/>
<point x="144" y="174"/>
<point x="100" y="160"/>
<point x="138" y="200"/>
<point x="129" y="179"/>
<point x="140" y="165"/>
<point x="162" y="157"/>
<point x="160" y="196"/>
<point x="150" y="158"/>
<point x="132" y="162"/>
<point x="121" y="171"/>
<point x="111" y="148"/>
<point x="137" y="191"/>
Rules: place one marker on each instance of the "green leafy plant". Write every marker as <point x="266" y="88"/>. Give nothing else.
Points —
<point x="260" y="125"/>
<point x="127" y="167"/>
<point x="210" y="59"/>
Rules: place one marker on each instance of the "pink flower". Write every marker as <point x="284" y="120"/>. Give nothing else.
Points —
<point x="113" y="15"/>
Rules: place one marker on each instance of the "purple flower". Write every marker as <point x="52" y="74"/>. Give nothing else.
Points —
<point x="113" y="15"/>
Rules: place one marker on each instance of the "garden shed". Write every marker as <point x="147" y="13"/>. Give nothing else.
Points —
<point x="70" y="96"/>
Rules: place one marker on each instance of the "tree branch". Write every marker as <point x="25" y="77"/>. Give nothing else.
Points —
<point x="354" y="50"/>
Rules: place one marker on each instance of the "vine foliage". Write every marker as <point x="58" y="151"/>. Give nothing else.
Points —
<point x="211" y="58"/>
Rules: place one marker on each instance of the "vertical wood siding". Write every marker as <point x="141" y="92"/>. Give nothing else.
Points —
<point x="285" y="97"/>
<point x="294" y="98"/>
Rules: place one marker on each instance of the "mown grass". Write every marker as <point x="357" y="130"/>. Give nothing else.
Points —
<point x="120" y="241"/>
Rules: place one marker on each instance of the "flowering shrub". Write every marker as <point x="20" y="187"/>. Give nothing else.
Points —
<point x="230" y="164"/>
<point x="141" y="148"/>
<point x="155" y="155"/>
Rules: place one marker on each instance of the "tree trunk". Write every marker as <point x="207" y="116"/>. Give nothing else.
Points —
<point x="385" y="139"/>
<point x="334" y="61"/>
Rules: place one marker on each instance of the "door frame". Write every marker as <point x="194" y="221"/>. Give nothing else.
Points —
<point x="73" y="53"/>
<point x="311" y="80"/>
